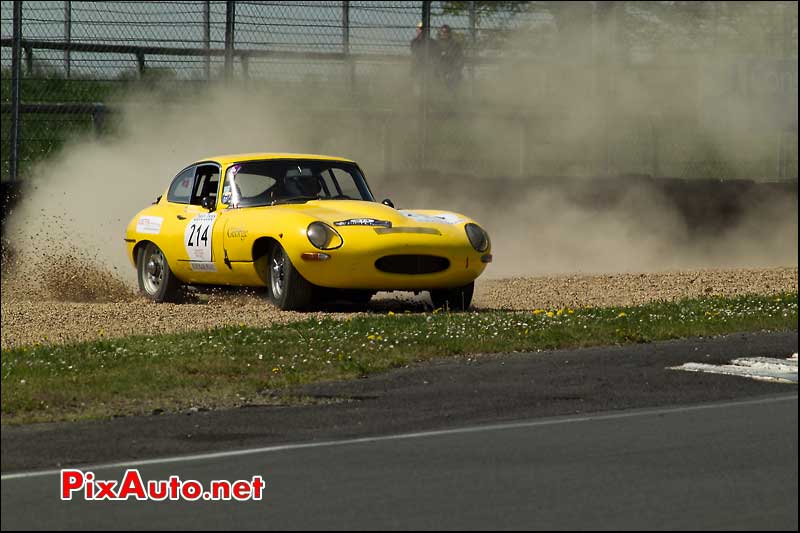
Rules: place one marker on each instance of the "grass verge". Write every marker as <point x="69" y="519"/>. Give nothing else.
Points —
<point x="236" y="365"/>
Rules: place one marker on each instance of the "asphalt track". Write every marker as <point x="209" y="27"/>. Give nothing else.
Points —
<point x="716" y="466"/>
<point x="708" y="451"/>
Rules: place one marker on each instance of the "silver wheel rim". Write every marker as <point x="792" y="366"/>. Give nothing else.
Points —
<point x="277" y="273"/>
<point x="155" y="266"/>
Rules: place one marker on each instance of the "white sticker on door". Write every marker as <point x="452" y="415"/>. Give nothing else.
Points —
<point x="197" y="237"/>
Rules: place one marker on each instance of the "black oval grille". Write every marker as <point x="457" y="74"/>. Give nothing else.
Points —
<point x="412" y="264"/>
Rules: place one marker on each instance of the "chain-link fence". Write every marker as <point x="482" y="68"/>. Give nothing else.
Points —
<point x="679" y="89"/>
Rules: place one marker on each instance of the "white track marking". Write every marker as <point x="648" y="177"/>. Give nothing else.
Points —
<point x="759" y="368"/>
<point x="403" y="436"/>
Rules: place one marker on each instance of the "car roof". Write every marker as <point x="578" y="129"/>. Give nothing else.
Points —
<point x="262" y="156"/>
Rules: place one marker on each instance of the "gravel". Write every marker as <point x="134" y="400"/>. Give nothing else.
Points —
<point x="630" y="289"/>
<point x="38" y="317"/>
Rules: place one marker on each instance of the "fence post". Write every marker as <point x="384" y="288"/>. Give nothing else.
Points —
<point x="473" y="41"/>
<point x="16" y="52"/>
<point x="67" y="35"/>
<point x="523" y="145"/>
<point x="654" y="138"/>
<point x="28" y="59"/>
<point x="98" y="119"/>
<point x="140" y="65"/>
<point x="351" y="67"/>
<point x="207" y="38"/>
<point x="422" y="137"/>
<point x="244" y="58"/>
<point x="230" y="21"/>
<point x="387" y="144"/>
<point x="605" y="61"/>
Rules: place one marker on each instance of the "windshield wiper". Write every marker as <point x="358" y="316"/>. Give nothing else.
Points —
<point x="295" y="199"/>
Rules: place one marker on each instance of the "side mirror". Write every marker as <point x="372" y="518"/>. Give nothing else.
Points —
<point x="388" y="202"/>
<point x="208" y="203"/>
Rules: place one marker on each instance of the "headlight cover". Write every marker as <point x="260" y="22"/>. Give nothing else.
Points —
<point x="478" y="238"/>
<point x="323" y="236"/>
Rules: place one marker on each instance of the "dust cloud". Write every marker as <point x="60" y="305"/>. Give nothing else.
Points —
<point x="79" y="202"/>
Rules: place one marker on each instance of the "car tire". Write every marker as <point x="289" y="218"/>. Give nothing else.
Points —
<point x="456" y="299"/>
<point x="156" y="280"/>
<point x="288" y="290"/>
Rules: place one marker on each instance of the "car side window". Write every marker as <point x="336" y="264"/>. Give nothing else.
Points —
<point x="180" y="190"/>
<point x="205" y="184"/>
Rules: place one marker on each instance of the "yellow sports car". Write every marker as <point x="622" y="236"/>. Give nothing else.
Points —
<point x="306" y="227"/>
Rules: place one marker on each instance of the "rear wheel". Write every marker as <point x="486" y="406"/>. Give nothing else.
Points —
<point x="288" y="290"/>
<point x="457" y="299"/>
<point x="156" y="280"/>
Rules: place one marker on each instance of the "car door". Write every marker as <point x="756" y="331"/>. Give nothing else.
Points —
<point x="189" y="227"/>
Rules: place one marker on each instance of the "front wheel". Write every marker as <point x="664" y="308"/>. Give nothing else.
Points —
<point x="156" y="280"/>
<point x="456" y="299"/>
<point x="288" y="290"/>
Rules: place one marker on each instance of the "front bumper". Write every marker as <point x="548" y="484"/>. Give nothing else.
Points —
<point x="353" y="265"/>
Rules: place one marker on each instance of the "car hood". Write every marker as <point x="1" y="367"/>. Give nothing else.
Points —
<point x="353" y="213"/>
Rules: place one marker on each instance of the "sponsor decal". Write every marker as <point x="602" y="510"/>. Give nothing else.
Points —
<point x="364" y="222"/>
<point x="151" y="225"/>
<point x="443" y="218"/>
<point x="240" y="233"/>
<point x="226" y="193"/>
<point x="199" y="266"/>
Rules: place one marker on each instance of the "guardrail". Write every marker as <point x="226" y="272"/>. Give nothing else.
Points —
<point x="141" y="53"/>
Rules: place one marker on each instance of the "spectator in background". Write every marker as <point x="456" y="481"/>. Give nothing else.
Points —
<point x="450" y="57"/>
<point x="418" y="60"/>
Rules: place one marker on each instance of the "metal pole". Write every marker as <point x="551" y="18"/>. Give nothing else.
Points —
<point x="230" y="19"/>
<point x="473" y="37"/>
<point x="605" y="63"/>
<point x="351" y="67"/>
<point x="387" y="145"/>
<point x="28" y="59"/>
<point x="656" y="169"/>
<point x="67" y="35"/>
<point x="424" y="93"/>
<point x="16" y="60"/>
<point x="522" y="168"/>
<point x="98" y="119"/>
<point x="207" y="37"/>
<point x="140" y="64"/>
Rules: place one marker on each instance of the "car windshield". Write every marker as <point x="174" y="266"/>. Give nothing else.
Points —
<point x="271" y="182"/>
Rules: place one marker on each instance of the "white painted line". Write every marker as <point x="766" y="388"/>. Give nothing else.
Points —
<point x="422" y="434"/>
<point x="759" y="368"/>
<point x="787" y="365"/>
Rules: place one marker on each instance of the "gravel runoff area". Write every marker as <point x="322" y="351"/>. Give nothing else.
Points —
<point x="28" y="321"/>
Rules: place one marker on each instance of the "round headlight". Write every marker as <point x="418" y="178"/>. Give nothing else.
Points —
<point x="323" y="236"/>
<point x="478" y="238"/>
